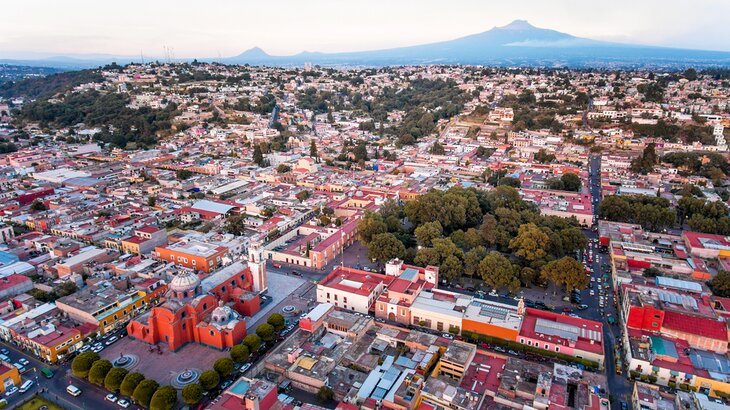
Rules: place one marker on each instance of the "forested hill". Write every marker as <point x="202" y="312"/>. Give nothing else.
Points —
<point x="48" y="85"/>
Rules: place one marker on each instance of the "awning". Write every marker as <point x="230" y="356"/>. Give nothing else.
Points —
<point x="674" y="372"/>
<point x="655" y="368"/>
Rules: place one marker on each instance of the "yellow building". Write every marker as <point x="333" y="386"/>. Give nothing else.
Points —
<point x="9" y="375"/>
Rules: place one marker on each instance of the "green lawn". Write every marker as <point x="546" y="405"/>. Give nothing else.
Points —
<point x="37" y="402"/>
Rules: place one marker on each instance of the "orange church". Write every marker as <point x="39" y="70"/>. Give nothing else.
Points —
<point x="208" y="311"/>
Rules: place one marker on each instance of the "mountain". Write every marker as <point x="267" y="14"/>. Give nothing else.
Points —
<point x="518" y="43"/>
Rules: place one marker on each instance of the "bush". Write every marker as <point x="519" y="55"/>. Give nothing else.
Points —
<point x="672" y="384"/>
<point x="83" y="362"/>
<point x="224" y="366"/>
<point x="114" y="378"/>
<point x="209" y="379"/>
<point x="325" y="394"/>
<point x="277" y="320"/>
<point x="192" y="393"/>
<point x="99" y="370"/>
<point x="652" y="379"/>
<point x="164" y="398"/>
<point x="143" y="393"/>
<point x="239" y="353"/>
<point x="130" y="382"/>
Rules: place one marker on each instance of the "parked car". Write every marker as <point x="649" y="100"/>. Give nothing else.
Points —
<point x="123" y="403"/>
<point x="110" y="397"/>
<point x="448" y="336"/>
<point x="23" y="361"/>
<point x="500" y="349"/>
<point x="10" y="391"/>
<point x="582" y="307"/>
<point x="5" y="351"/>
<point x="276" y="265"/>
<point x="245" y="367"/>
<point x="111" y="340"/>
<point x="513" y="353"/>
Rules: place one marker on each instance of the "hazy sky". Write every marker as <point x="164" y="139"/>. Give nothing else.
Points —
<point x="228" y="27"/>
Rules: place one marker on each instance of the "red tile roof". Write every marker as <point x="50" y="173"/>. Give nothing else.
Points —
<point x="700" y="326"/>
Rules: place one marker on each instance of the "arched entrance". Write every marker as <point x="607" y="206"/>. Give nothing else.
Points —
<point x="391" y="316"/>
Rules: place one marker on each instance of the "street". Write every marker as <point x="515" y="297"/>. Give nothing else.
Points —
<point x="619" y="387"/>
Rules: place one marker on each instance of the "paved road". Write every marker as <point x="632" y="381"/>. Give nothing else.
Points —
<point x="619" y="386"/>
<point x="54" y="389"/>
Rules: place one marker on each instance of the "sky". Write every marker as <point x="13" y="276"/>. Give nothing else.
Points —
<point x="36" y="28"/>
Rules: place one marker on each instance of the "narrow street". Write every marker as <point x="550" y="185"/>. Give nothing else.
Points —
<point x="619" y="386"/>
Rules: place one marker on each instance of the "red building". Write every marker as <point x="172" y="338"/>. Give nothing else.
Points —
<point x="206" y="312"/>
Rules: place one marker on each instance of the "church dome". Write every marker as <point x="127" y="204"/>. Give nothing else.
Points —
<point x="221" y="314"/>
<point x="184" y="282"/>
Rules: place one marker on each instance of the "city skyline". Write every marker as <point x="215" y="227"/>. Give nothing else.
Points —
<point x="326" y="26"/>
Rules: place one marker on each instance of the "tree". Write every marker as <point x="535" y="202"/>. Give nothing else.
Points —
<point x="183" y="174"/>
<point x="258" y="156"/>
<point x="67" y="288"/>
<point x="487" y="230"/>
<point x="83" y="362"/>
<point x="151" y="201"/>
<point x="427" y="232"/>
<point x="645" y="163"/>
<point x="283" y="168"/>
<point x="99" y="370"/>
<point x="164" y="398"/>
<point x="567" y="272"/>
<point x="313" y="149"/>
<point x="530" y="243"/>
<point x="145" y="390"/>
<point x="225" y="366"/>
<point x="544" y="157"/>
<point x="209" y="379"/>
<point x="38" y="205"/>
<point x="114" y="378"/>
<point x="235" y="224"/>
<point x="571" y="182"/>
<point x="303" y="195"/>
<point x="325" y="394"/>
<point x="496" y="270"/>
<point x="276" y="320"/>
<point x="253" y="342"/>
<point x="472" y="259"/>
<point x="266" y="332"/>
<point x="130" y="383"/>
<point x="240" y="353"/>
<point x="369" y="225"/>
<point x="720" y="284"/>
<point x="437" y="149"/>
<point x="386" y="246"/>
<point x="651" y="272"/>
<point x="451" y="268"/>
<point x="192" y="393"/>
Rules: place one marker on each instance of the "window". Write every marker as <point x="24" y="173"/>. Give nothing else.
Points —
<point x="223" y="289"/>
<point x="546" y="346"/>
<point x="184" y="326"/>
<point x="328" y="295"/>
<point x="212" y="333"/>
<point x="439" y="326"/>
<point x="205" y="306"/>
<point x="557" y="348"/>
<point x="382" y="308"/>
<point x="344" y="299"/>
<point x="335" y="296"/>
<point x="522" y="341"/>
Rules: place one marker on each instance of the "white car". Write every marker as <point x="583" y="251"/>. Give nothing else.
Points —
<point x="23" y="361"/>
<point x="97" y="349"/>
<point x="111" y="340"/>
<point x="110" y="397"/>
<point x="10" y="391"/>
<point x="448" y="336"/>
<point x="592" y="293"/>
<point x="123" y="403"/>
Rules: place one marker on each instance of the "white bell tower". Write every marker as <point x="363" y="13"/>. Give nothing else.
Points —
<point x="257" y="264"/>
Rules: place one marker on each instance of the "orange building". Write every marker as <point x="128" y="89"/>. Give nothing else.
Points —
<point x="206" y="312"/>
<point x="193" y="254"/>
<point x="9" y="375"/>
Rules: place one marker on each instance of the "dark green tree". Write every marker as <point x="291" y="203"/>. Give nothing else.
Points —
<point x="276" y="320"/>
<point x="115" y="377"/>
<point x="240" y="353"/>
<point x="224" y="366"/>
<point x="253" y="342"/>
<point x="130" y="383"/>
<point x="83" y="362"/>
<point x="209" y="379"/>
<point x="144" y="391"/>
<point x="266" y="332"/>
<point x="164" y="398"/>
<point x="192" y="393"/>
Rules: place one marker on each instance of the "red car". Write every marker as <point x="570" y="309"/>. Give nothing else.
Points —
<point x="276" y="265"/>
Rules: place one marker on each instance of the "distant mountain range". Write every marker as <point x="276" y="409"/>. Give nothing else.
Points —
<point x="516" y="44"/>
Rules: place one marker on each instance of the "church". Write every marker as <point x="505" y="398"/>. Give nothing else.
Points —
<point x="208" y="310"/>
